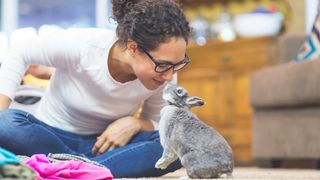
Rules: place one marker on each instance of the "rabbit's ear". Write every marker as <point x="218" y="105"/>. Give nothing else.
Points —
<point x="194" y="101"/>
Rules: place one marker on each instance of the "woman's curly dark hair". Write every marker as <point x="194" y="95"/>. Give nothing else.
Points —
<point x="149" y="22"/>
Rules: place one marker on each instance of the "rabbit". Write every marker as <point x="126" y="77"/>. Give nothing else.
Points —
<point x="201" y="149"/>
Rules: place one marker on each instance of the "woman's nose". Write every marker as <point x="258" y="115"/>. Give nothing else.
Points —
<point x="168" y="75"/>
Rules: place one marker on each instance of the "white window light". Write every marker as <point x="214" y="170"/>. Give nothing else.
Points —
<point x="22" y="34"/>
<point x="48" y="29"/>
<point x="311" y="10"/>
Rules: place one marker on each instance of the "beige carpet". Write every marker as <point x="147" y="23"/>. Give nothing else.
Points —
<point x="257" y="173"/>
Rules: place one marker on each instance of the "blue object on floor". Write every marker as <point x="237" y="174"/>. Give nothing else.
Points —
<point x="7" y="157"/>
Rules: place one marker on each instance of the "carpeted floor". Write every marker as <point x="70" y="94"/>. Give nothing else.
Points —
<point x="257" y="173"/>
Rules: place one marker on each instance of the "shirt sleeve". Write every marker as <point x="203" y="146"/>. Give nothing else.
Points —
<point x="152" y="106"/>
<point x="59" y="50"/>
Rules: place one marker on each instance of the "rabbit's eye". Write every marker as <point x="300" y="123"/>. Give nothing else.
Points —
<point x="179" y="91"/>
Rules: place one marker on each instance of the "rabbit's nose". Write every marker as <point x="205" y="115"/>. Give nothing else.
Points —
<point x="168" y="75"/>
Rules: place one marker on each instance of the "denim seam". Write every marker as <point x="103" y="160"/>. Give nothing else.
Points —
<point x="125" y="151"/>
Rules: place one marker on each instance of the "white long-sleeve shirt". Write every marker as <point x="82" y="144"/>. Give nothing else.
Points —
<point x="82" y="97"/>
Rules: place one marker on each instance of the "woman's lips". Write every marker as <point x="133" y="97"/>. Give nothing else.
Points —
<point x="158" y="82"/>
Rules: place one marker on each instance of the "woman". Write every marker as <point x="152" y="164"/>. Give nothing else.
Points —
<point x="100" y="80"/>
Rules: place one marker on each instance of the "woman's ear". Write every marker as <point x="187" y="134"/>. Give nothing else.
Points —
<point x="132" y="47"/>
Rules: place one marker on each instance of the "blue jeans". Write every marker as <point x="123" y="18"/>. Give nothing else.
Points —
<point x="23" y="134"/>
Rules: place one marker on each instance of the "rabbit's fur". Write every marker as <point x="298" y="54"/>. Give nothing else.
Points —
<point x="202" y="150"/>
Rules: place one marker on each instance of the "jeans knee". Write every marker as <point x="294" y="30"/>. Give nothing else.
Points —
<point x="9" y="120"/>
<point x="5" y="117"/>
<point x="4" y="113"/>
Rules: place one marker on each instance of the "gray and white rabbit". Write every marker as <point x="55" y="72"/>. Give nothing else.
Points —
<point x="202" y="150"/>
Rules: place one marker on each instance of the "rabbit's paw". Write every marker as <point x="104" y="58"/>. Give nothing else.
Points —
<point x="162" y="164"/>
<point x="225" y="175"/>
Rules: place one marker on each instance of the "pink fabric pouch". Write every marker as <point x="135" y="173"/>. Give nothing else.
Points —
<point x="73" y="170"/>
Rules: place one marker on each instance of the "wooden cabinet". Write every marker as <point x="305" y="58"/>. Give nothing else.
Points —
<point x="219" y="73"/>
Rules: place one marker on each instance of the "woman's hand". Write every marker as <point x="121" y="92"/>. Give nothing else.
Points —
<point x="117" y="134"/>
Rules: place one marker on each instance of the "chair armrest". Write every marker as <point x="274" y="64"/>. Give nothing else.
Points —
<point x="286" y="85"/>
<point x="288" y="46"/>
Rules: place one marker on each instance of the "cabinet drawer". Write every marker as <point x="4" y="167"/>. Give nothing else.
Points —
<point x="238" y="54"/>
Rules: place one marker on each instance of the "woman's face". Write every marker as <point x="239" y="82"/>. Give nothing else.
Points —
<point x="172" y="52"/>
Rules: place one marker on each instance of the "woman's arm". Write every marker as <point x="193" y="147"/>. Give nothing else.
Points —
<point x="4" y="102"/>
<point x="122" y="130"/>
<point x="59" y="50"/>
<point x="145" y="125"/>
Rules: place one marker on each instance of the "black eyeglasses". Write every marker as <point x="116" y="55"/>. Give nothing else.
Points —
<point x="165" y="66"/>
